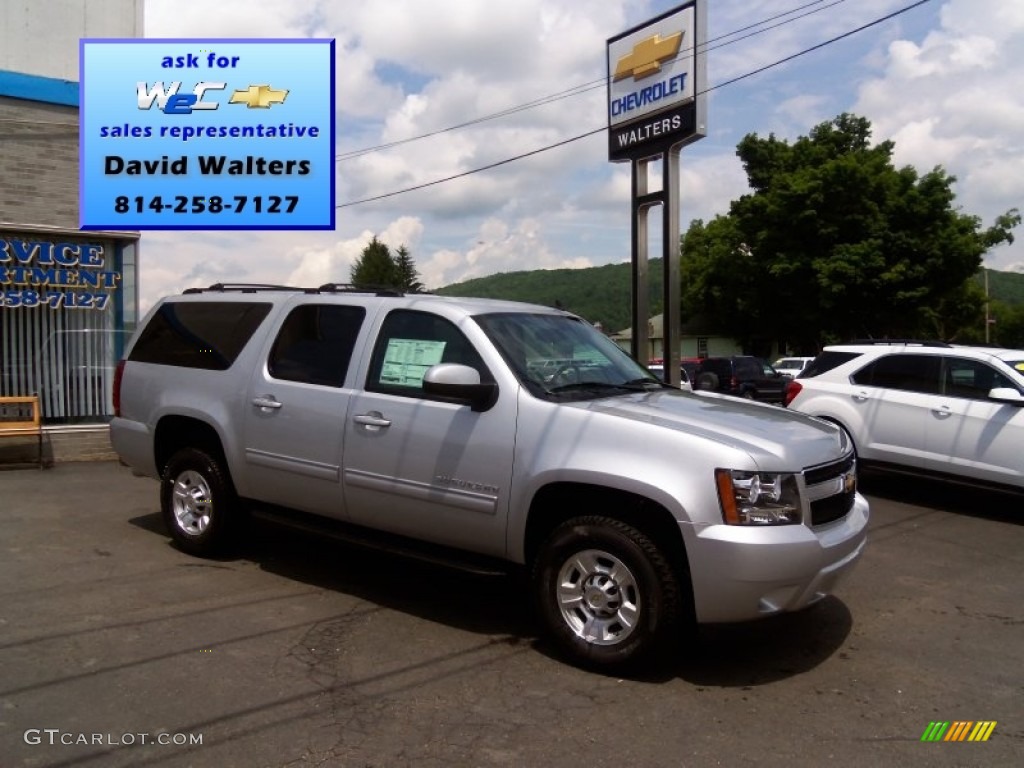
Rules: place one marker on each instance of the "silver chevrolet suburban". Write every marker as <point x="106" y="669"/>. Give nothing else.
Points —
<point x="487" y="434"/>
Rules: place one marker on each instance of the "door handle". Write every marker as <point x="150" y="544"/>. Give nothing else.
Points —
<point x="266" y="401"/>
<point x="942" y="411"/>
<point x="372" y="419"/>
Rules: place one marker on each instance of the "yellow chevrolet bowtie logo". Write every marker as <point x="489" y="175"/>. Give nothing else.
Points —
<point x="647" y="55"/>
<point x="258" y="97"/>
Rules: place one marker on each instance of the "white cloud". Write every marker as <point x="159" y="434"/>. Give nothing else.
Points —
<point x="498" y="248"/>
<point x="944" y="85"/>
<point x="334" y="264"/>
<point x="952" y="100"/>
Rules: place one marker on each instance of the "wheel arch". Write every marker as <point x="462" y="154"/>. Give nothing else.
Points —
<point x="175" y="432"/>
<point x="557" y="502"/>
<point x="849" y="433"/>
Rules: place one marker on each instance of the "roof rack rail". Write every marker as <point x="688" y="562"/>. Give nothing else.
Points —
<point x="902" y="342"/>
<point x="379" y="290"/>
<point x="247" y="288"/>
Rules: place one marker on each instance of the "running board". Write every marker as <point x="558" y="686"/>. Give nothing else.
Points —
<point x="447" y="557"/>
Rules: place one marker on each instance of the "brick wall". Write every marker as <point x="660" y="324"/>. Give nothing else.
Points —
<point x="39" y="163"/>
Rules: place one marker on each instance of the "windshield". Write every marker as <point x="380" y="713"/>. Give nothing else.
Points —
<point x="560" y="357"/>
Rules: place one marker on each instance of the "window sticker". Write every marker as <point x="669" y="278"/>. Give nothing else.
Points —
<point x="1019" y="366"/>
<point x="406" y="361"/>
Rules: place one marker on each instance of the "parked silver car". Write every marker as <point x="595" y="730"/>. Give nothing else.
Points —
<point x="439" y="427"/>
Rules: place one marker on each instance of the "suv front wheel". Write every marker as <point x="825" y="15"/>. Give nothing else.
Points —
<point x="606" y="594"/>
<point x="197" y="502"/>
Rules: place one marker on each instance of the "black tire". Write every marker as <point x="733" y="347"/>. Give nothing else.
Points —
<point x="628" y="611"/>
<point x="707" y="381"/>
<point x="198" y="503"/>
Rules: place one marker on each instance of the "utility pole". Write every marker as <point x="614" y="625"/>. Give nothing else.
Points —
<point x="988" y="319"/>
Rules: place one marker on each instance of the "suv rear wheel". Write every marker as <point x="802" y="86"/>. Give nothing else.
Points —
<point x="606" y="594"/>
<point x="707" y="381"/>
<point x="198" y="502"/>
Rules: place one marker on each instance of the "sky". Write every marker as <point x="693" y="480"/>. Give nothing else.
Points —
<point x="941" y="80"/>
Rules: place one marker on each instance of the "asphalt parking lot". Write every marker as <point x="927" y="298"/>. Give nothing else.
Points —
<point x="116" y="649"/>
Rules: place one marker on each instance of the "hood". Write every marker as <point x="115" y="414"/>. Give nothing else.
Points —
<point x="775" y="438"/>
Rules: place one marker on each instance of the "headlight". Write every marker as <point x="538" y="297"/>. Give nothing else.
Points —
<point x="758" y="498"/>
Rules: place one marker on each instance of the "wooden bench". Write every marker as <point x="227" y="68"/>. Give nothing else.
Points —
<point x="19" y="417"/>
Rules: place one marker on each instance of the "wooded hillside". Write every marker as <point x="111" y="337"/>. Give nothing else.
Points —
<point x="601" y="294"/>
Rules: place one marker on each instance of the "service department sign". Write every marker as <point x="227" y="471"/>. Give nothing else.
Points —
<point x="657" y="76"/>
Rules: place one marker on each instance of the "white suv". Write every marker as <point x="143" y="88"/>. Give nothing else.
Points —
<point x="926" y="408"/>
<point x="791" y="366"/>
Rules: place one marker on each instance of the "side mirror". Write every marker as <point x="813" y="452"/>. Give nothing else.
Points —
<point x="460" y="384"/>
<point x="1007" y="395"/>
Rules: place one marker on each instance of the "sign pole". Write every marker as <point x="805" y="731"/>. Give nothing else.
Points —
<point x="640" y="343"/>
<point x="671" y="331"/>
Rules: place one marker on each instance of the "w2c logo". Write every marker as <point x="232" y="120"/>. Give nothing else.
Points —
<point x="171" y="102"/>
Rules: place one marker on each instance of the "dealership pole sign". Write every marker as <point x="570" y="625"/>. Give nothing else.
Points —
<point x="657" y="79"/>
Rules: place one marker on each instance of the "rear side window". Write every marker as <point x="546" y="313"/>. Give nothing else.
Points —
<point x="208" y="335"/>
<point x="912" y="373"/>
<point x="748" y="368"/>
<point x="315" y="344"/>
<point x="825" y="362"/>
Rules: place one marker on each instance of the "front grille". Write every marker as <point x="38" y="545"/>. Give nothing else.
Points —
<point x="831" y="508"/>
<point x="829" y="471"/>
<point x="831" y="494"/>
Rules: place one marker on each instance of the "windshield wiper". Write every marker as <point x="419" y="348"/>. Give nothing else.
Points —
<point x="634" y="385"/>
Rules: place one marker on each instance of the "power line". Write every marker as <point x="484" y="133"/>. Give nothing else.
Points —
<point x="552" y="98"/>
<point x="576" y="90"/>
<point x="572" y="139"/>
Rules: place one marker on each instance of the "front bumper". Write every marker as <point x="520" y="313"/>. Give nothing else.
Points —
<point x="741" y="573"/>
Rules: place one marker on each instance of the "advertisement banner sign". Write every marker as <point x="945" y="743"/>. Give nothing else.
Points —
<point x="207" y="134"/>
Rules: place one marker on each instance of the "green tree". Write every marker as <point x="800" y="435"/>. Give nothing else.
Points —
<point x="1007" y="327"/>
<point x="834" y="242"/>
<point x="375" y="266"/>
<point x="408" y="276"/>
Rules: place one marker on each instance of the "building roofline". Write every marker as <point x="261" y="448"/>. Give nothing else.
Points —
<point x="42" y="229"/>
<point x="49" y="90"/>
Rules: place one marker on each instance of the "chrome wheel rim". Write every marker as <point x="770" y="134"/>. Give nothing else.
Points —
<point x="192" y="503"/>
<point x="598" y="597"/>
